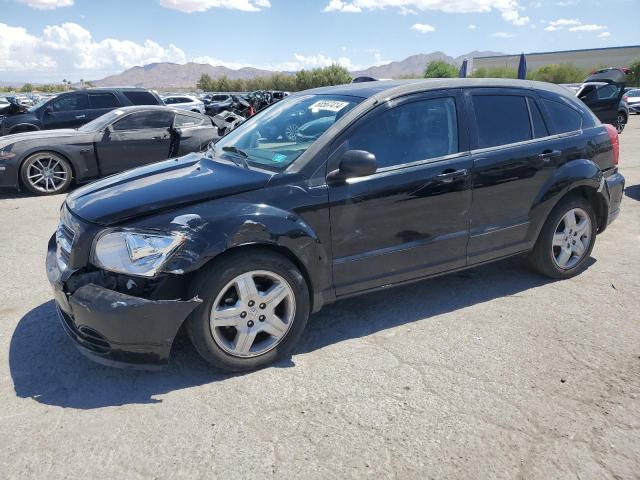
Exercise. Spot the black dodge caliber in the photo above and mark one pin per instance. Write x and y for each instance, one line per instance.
(400, 181)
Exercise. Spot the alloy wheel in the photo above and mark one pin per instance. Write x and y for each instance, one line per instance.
(291, 131)
(46, 173)
(571, 238)
(620, 123)
(252, 313)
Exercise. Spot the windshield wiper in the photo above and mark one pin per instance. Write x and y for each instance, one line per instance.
(241, 154)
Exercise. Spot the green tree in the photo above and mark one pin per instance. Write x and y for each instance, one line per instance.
(440, 69)
(26, 88)
(633, 79)
(560, 73)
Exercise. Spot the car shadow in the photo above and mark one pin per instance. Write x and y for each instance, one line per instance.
(46, 367)
(633, 191)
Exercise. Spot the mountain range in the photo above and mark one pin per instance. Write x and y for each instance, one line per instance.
(182, 76)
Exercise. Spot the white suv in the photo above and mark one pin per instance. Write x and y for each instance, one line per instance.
(184, 102)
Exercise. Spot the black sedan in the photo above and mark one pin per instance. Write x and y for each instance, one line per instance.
(47, 162)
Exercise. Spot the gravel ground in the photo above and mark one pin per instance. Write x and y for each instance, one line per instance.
(490, 373)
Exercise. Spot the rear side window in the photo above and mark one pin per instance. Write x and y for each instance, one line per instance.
(71, 103)
(103, 100)
(407, 133)
(186, 121)
(539, 127)
(144, 120)
(501, 119)
(564, 118)
(141, 98)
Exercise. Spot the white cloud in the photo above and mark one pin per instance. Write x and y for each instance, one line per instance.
(472, 27)
(190, 6)
(510, 9)
(587, 28)
(564, 22)
(604, 35)
(502, 35)
(47, 4)
(70, 48)
(422, 28)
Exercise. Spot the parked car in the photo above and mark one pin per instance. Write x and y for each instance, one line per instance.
(219, 103)
(602, 92)
(633, 100)
(72, 109)
(47, 162)
(185, 102)
(412, 180)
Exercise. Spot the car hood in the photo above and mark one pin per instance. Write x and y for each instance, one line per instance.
(161, 186)
(38, 135)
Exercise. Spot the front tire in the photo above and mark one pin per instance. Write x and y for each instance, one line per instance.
(255, 308)
(566, 240)
(46, 173)
(621, 122)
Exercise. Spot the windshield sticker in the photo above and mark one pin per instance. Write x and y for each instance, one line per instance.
(279, 158)
(329, 105)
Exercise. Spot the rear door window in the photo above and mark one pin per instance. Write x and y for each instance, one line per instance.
(539, 127)
(140, 98)
(565, 119)
(70, 103)
(103, 100)
(501, 119)
(144, 120)
(410, 132)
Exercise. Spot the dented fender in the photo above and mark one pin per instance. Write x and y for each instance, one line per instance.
(211, 229)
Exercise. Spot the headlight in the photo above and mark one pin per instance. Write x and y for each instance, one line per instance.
(134, 253)
(6, 154)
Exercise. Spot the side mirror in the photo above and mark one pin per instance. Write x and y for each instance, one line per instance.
(354, 163)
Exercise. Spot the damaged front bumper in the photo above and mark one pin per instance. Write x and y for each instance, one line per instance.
(115, 328)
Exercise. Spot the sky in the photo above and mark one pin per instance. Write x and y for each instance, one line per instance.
(52, 40)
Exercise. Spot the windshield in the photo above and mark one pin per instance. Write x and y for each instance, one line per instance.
(102, 122)
(38, 105)
(275, 137)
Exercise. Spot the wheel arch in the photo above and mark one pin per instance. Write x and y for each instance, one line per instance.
(271, 248)
(576, 177)
(23, 127)
(35, 151)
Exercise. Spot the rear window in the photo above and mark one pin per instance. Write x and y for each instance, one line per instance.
(141, 98)
(103, 100)
(501, 119)
(186, 121)
(564, 118)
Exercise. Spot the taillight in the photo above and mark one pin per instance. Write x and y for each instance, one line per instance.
(625, 99)
(615, 142)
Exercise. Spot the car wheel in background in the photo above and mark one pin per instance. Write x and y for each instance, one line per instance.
(46, 173)
(255, 308)
(566, 239)
(291, 131)
(621, 122)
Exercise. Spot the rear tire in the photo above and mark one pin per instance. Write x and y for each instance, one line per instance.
(566, 239)
(255, 308)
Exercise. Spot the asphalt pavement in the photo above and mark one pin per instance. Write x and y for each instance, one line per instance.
(494, 372)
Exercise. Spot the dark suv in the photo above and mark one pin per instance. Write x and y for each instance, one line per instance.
(411, 180)
(72, 109)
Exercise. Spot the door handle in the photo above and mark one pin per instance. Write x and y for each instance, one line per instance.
(547, 155)
(450, 176)
(159, 137)
(80, 116)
